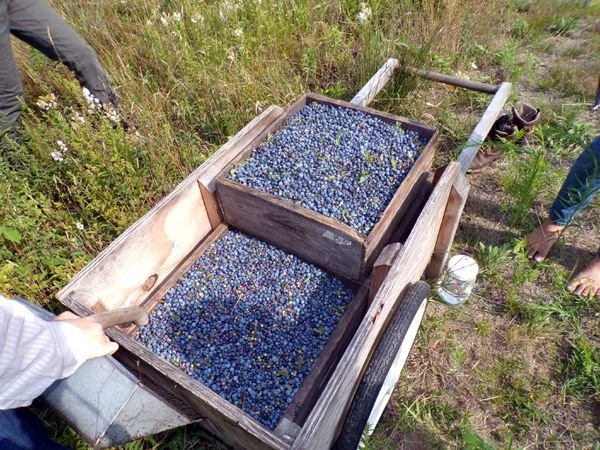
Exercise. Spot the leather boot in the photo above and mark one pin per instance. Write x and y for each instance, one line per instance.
(526, 119)
(503, 128)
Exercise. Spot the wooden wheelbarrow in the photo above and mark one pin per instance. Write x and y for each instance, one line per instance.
(108, 404)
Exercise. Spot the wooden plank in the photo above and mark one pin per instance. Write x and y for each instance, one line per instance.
(322, 425)
(318, 376)
(483, 127)
(398, 207)
(221, 418)
(213, 209)
(287, 430)
(376, 83)
(417, 199)
(454, 208)
(312, 236)
(382, 267)
(126, 271)
(454, 81)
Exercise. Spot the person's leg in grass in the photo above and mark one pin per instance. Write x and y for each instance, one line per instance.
(36, 23)
(11, 89)
(20, 429)
(578, 190)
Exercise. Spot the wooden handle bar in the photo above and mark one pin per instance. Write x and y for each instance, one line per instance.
(122, 315)
(454, 81)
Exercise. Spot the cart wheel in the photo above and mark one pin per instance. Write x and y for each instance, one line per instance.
(383, 371)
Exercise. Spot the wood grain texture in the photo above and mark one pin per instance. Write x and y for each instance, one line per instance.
(382, 267)
(483, 127)
(307, 395)
(322, 425)
(313, 237)
(376, 83)
(211, 204)
(454, 208)
(154, 245)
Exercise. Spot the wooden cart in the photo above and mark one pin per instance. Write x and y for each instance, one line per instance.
(141, 265)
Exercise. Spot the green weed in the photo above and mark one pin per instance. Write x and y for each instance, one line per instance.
(581, 371)
(523, 183)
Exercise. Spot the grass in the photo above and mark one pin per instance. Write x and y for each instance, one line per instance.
(517, 365)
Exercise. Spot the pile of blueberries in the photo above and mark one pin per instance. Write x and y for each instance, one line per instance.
(248, 321)
(340, 162)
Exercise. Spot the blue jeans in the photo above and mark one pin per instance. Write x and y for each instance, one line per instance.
(580, 187)
(20, 429)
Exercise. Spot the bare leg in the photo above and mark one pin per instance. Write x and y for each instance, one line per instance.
(587, 282)
(541, 240)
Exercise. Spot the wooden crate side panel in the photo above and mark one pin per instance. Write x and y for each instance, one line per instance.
(221, 418)
(317, 239)
(398, 206)
(316, 379)
(125, 275)
(140, 258)
(322, 425)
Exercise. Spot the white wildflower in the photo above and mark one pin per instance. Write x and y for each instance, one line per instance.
(92, 101)
(47, 102)
(238, 32)
(365, 13)
(231, 55)
(57, 156)
(79, 226)
(176, 17)
(62, 146)
(197, 18)
(164, 19)
(77, 120)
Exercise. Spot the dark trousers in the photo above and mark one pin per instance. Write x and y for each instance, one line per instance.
(35, 22)
(22, 430)
(580, 187)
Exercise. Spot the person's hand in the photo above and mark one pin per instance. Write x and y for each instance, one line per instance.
(97, 343)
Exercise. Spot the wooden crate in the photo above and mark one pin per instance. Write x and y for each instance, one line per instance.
(311, 235)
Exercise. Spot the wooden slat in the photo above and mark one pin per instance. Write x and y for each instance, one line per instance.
(211, 204)
(313, 237)
(126, 271)
(322, 426)
(376, 83)
(483, 127)
(454, 208)
(314, 382)
(382, 267)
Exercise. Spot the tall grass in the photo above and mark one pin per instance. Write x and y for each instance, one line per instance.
(190, 74)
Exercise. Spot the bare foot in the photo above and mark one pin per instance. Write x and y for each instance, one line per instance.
(541, 240)
(587, 282)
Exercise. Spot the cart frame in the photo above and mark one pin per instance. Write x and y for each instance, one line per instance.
(125, 414)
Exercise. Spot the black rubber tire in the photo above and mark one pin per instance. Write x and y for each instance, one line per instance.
(379, 366)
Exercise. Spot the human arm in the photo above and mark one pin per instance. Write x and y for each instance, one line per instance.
(34, 352)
